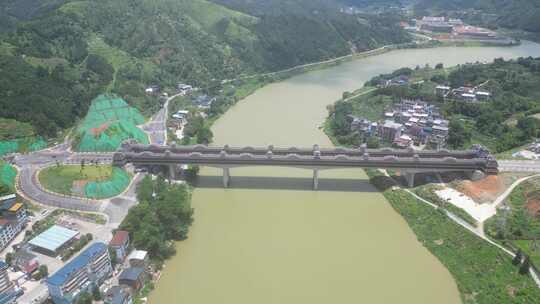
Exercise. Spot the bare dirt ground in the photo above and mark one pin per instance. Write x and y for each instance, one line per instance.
(488, 189)
(533, 207)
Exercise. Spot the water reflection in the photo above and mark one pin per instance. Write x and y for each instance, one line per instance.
(286, 183)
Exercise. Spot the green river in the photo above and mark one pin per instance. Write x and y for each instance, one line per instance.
(270, 239)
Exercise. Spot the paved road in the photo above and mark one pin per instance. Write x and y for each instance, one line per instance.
(157, 126)
(519, 166)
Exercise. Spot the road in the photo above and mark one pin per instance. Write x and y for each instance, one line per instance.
(115, 209)
(156, 128)
(532, 166)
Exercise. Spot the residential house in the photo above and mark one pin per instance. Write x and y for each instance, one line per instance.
(390, 130)
(26, 261)
(203, 101)
(12, 209)
(138, 258)
(133, 278)
(482, 95)
(442, 91)
(184, 89)
(117, 295)
(120, 243)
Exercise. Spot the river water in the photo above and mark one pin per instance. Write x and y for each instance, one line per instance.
(270, 239)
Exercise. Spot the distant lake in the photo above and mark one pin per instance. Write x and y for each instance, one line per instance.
(271, 240)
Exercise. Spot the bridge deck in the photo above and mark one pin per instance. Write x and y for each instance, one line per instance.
(227, 157)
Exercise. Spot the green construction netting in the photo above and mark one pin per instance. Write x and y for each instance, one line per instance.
(110, 121)
(22, 145)
(7, 175)
(115, 185)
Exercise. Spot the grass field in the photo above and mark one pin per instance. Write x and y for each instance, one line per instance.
(60, 179)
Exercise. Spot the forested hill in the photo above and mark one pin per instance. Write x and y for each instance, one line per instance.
(514, 14)
(57, 55)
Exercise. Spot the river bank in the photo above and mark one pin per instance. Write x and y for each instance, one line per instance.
(484, 274)
(270, 239)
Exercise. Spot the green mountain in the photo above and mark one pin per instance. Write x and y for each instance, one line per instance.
(57, 55)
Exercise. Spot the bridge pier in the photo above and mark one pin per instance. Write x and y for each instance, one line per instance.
(315, 179)
(475, 175)
(226, 177)
(409, 177)
(172, 172)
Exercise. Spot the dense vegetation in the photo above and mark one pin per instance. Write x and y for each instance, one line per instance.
(515, 14)
(56, 56)
(162, 216)
(483, 273)
(519, 223)
(504, 122)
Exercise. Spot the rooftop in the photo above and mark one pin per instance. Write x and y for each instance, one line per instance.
(53, 238)
(137, 255)
(131, 274)
(15, 207)
(119, 238)
(6, 197)
(77, 263)
(391, 124)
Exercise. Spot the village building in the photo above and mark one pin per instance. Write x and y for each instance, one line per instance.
(25, 261)
(133, 278)
(120, 244)
(88, 269)
(390, 130)
(117, 295)
(138, 258)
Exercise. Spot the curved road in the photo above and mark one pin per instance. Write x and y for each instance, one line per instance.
(116, 208)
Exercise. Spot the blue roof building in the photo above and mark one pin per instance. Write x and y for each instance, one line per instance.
(88, 269)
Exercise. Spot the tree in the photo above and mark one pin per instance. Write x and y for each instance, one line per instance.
(517, 258)
(373, 142)
(439, 66)
(112, 255)
(529, 126)
(145, 189)
(4, 189)
(458, 135)
(84, 298)
(9, 258)
(524, 269)
(204, 135)
(43, 270)
(96, 293)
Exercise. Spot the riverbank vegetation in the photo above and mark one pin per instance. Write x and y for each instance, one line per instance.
(515, 96)
(163, 216)
(483, 273)
(518, 221)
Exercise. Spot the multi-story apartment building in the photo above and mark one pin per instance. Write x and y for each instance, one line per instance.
(88, 269)
(7, 289)
(13, 218)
